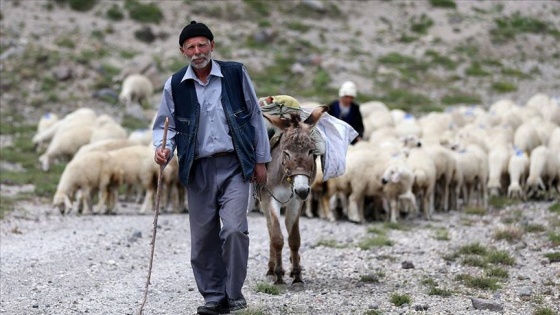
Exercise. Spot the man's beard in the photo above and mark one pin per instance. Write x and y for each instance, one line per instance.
(206, 58)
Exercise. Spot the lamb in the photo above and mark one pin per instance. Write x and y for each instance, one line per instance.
(518, 169)
(136, 88)
(138, 167)
(90, 173)
(107, 128)
(42, 138)
(397, 183)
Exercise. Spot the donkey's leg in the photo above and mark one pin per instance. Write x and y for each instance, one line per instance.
(275, 267)
(294, 241)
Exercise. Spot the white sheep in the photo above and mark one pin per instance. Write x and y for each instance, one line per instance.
(141, 136)
(498, 175)
(397, 183)
(319, 195)
(446, 167)
(42, 138)
(472, 163)
(424, 170)
(107, 128)
(66, 142)
(138, 167)
(518, 169)
(104, 145)
(82, 178)
(136, 88)
(554, 140)
(173, 196)
(45, 122)
(544, 170)
(526, 138)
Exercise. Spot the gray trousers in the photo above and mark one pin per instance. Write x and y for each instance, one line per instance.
(218, 200)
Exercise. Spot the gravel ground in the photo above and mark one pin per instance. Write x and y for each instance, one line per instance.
(94, 264)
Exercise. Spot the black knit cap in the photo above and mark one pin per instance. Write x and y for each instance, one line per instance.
(195, 29)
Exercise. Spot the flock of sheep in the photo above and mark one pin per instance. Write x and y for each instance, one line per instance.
(447, 160)
(104, 158)
(440, 161)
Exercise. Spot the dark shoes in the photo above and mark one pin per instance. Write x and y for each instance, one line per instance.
(212, 308)
(216, 308)
(236, 304)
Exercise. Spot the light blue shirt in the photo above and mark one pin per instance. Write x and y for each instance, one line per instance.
(213, 131)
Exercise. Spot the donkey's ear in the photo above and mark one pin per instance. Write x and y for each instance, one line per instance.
(316, 115)
(277, 121)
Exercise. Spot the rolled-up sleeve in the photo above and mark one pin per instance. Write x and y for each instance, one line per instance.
(166, 109)
(262, 144)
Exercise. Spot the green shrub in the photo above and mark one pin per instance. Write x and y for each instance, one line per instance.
(145, 13)
(510, 234)
(267, 288)
(440, 292)
(400, 299)
(114, 13)
(449, 4)
(503, 87)
(476, 70)
(497, 272)
(544, 311)
(372, 242)
(422, 24)
(500, 257)
(484, 283)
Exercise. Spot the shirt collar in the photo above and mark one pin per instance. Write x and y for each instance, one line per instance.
(215, 71)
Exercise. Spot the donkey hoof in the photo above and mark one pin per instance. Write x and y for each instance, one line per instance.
(298, 286)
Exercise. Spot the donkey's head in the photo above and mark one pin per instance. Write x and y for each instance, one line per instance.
(297, 146)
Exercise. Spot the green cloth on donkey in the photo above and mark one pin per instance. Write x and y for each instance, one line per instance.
(283, 105)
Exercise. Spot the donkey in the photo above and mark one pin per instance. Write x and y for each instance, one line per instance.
(290, 174)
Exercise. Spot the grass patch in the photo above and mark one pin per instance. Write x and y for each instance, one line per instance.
(501, 202)
(114, 13)
(331, 243)
(422, 24)
(500, 257)
(400, 226)
(483, 283)
(508, 27)
(553, 257)
(555, 208)
(7, 204)
(144, 13)
(267, 288)
(447, 4)
(474, 261)
(475, 211)
(510, 234)
(400, 299)
(503, 87)
(371, 278)
(554, 238)
(378, 241)
(476, 70)
(472, 249)
(534, 228)
(442, 234)
(497, 272)
(440, 292)
(541, 310)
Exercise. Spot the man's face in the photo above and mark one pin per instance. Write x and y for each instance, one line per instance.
(346, 100)
(198, 50)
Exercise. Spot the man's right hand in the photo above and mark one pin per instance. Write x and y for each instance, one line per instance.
(161, 155)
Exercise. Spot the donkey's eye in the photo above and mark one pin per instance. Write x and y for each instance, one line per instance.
(286, 155)
(310, 152)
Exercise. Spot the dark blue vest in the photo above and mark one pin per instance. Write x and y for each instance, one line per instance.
(187, 113)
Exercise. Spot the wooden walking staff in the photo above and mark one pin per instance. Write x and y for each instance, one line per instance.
(156, 213)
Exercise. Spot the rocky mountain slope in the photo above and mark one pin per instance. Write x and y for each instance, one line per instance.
(414, 55)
